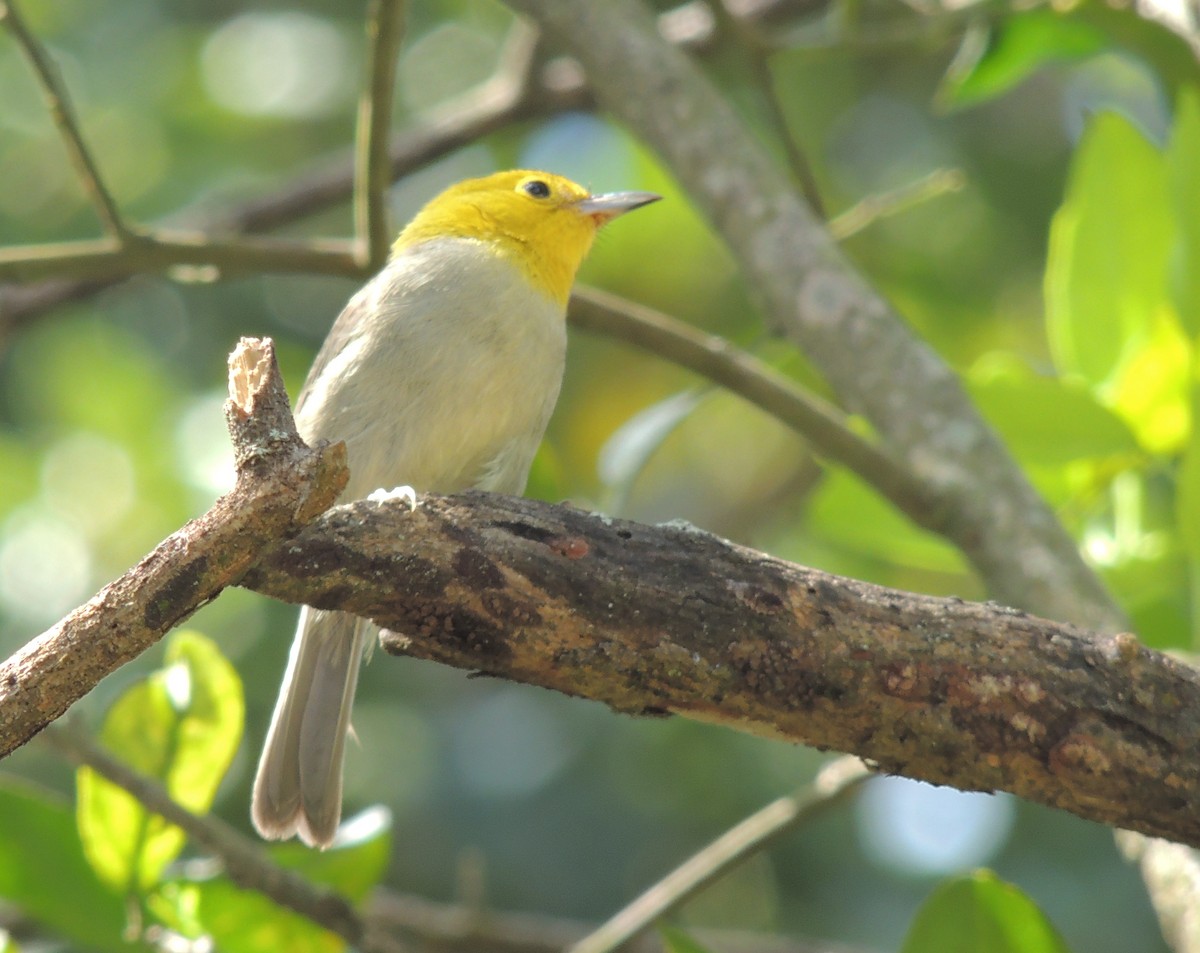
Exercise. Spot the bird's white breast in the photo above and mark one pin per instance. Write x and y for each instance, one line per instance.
(441, 373)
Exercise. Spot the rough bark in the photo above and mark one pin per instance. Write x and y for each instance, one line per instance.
(669, 619)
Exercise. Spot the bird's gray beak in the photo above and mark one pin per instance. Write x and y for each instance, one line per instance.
(604, 208)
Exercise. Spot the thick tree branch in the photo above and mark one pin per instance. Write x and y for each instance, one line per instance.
(810, 293)
(656, 620)
(281, 484)
(671, 619)
(1172, 876)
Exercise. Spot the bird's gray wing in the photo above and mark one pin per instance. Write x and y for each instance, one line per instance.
(347, 324)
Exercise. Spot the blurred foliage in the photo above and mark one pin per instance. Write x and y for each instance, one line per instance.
(1078, 132)
(981, 914)
(181, 726)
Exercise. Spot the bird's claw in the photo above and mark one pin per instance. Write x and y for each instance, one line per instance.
(397, 492)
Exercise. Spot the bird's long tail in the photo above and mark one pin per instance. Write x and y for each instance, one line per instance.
(298, 789)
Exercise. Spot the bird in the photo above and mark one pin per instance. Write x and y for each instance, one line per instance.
(439, 375)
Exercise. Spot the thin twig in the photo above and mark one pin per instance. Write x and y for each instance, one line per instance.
(169, 249)
(737, 844)
(455, 928)
(756, 55)
(449, 926)
(510, 95)
(372, 168)
(67, 122)
(244, 861)
(823, 425)
(881, 205)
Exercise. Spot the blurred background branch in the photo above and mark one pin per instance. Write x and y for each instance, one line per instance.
(372, 166)
(63, 113)
(241, 858)
(837, 780)
(391, 919)
(860, 344)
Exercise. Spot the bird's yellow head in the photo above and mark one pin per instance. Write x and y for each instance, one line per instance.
(542, 222)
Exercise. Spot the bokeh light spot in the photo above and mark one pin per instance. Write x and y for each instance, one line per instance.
(266, 64)
(89, 480)
(202, 445)
(45, 566)
(506, 746)
(445, 62)
(916, 828)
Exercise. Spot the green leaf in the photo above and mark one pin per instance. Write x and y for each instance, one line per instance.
(992, 60)
(676, 940)
(180, 726)
(1106, 272)
(1169, 54)
(18, 472)
(980, 913)
(1109, 312)
(847, 513)
(1183, 178)
(43, 871)
(1152, 391)
(355, 863)
(1047, 421)
(243, 921)
(627, 452)
(1187, 509)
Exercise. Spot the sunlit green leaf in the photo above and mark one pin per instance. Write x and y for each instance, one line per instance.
(1106, 271)
(39, 847)
(1017, 402)
(1183, 175)
(175, 905)
(993, 60)
(847, 513)
(1152, 390)
(181, 726)
(980, 913)
(243, 921)
(676, 940)
(356, 861)
(1110, 317)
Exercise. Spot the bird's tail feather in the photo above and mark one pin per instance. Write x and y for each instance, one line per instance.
(298, 788)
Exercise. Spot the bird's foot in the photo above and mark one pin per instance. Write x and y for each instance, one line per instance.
(395, 493)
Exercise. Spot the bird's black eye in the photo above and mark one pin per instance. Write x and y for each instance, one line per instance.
(537, 188)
